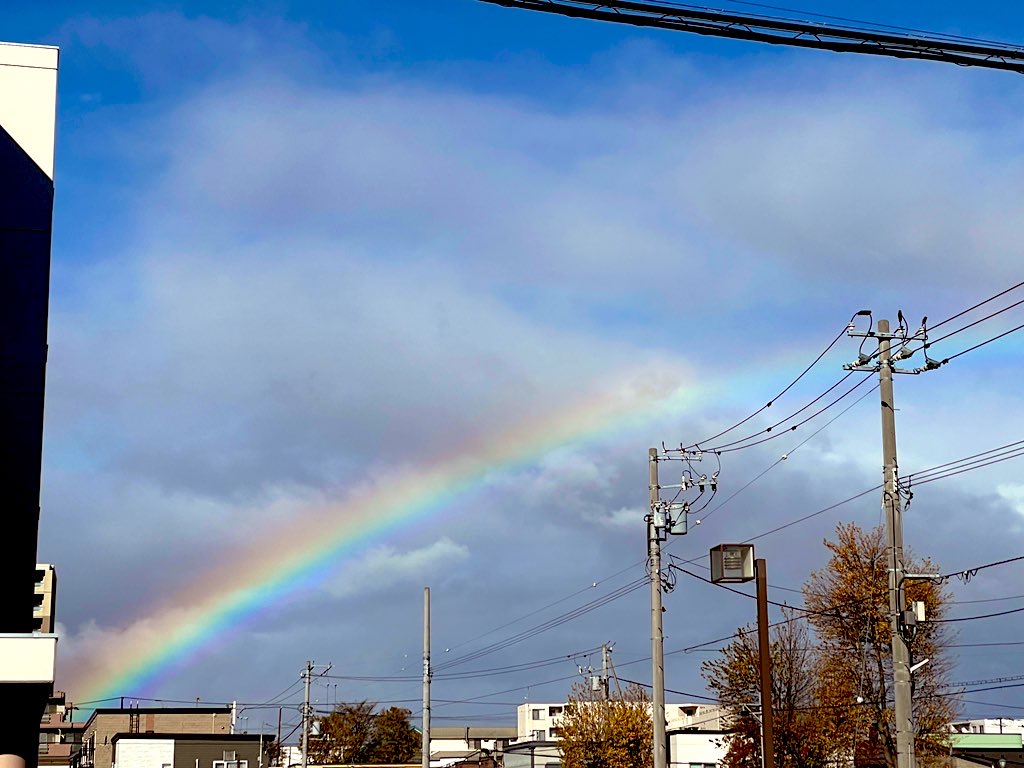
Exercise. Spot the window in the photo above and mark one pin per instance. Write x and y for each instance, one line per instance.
(230, 764)
(536, 714)
(555, 733)
(553, 711)
(535, 735)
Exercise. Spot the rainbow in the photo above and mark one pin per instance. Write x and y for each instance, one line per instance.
(139, 657)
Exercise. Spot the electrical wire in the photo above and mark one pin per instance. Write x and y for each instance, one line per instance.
(550, 624)
(783, 392)
(976, 306)
(851, 390)
(789, 453)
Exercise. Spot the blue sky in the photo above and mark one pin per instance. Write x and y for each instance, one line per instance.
(301, 245)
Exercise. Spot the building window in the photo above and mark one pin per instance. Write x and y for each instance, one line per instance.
(230, 764)
(536, 714)
(535, 735)
(555, 733)
(553, 711)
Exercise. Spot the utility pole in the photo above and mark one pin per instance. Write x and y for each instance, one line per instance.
(606, 660)
(657, 631)
(765, 658)
(280, 711)
(665, 517)
(425, 749)
(892, 505)
(307, 673)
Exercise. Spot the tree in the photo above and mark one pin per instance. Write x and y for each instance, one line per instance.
(394, 739)
(735, 679)
(353, 733)
(617, 732)
(831, 675)
(849, 600)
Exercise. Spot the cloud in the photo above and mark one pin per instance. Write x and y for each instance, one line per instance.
(321, 280)
(383, 567)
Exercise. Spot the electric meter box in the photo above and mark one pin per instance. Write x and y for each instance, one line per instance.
(732, 563)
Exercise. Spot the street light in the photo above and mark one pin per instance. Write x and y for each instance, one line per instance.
(735, 564)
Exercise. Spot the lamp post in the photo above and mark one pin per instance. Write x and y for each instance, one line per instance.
(735, 564)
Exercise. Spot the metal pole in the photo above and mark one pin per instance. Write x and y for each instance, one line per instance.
(280, 749)
(891, 503)
(765, 656)
(425, 748)
(657, 632)
(306, 675)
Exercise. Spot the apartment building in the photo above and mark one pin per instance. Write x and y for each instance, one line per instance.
(541, 722)
(59, 736)
(104, 724)
(44, 609)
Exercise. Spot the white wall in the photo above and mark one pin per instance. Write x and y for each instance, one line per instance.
(696, 747)
(28, 107)
(144, 753)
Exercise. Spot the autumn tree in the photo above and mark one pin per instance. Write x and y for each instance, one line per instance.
(849, 604)
(832, 665)
(735, 679)
(354, 733)
(616, 732)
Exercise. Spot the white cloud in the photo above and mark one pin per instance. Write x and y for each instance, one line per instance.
(384, 567)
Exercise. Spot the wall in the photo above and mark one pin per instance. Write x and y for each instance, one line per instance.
(187, 752)
(143, 753)
(105, 724)
(696, 748)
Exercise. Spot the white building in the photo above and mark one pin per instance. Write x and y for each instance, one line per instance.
(989, 725)
(450, 744)
(541, 722)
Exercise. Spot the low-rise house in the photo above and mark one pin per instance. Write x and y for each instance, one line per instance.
(97, 736)
(189, 750)
(471, 744)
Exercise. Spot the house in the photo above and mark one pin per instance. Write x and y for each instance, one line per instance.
(471, 744)
(189, 750)
(97, 735)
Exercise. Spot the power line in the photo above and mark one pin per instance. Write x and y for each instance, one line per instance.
(799, 424)
(789, 453)
(785, 389)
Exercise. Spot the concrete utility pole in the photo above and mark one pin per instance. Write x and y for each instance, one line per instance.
(606, 662)
(425, 758)
(657, 631)
(892, 504)
(307, 673)
(765, 658)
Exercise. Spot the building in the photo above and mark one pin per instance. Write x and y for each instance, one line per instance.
(989, 725)
(541, 722)
(59, 736)
(104, 724)
(532, 754)
(692, 748)
(44, 610)
(453, 745)
(989, 750)
(28, 107)
(189, 750)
